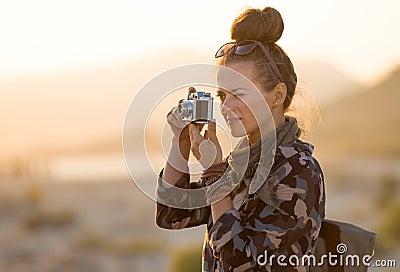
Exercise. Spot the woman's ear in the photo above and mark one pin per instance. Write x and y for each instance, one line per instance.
(280, 93)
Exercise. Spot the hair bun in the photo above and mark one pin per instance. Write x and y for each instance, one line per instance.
(255, 24)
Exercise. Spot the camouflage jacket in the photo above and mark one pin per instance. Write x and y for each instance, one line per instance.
(243, 238)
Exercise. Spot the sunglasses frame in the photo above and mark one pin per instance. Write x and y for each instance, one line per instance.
(253, 44)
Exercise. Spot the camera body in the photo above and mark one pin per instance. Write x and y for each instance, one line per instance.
(198, 107)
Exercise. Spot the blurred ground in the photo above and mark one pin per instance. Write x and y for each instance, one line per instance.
(96, 226)
(109, 225)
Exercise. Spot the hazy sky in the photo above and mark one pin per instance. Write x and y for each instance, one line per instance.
(43, 36)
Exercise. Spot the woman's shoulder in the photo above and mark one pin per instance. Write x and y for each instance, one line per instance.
(298, 155)
(297, 147)
(294, 172)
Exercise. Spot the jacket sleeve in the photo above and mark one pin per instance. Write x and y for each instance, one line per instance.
(238, 240)
(176, 218)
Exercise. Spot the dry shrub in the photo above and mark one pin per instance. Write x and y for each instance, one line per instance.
(49, 219)
(134, 245)
(187, 259)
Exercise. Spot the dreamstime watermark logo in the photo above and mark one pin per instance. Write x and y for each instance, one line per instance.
(146, 127)
(330, 259)
(341, 248)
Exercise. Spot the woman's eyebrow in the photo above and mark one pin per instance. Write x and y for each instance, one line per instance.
(237, 89)
(221, 90)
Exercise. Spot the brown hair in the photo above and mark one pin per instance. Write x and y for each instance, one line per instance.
(266, 26)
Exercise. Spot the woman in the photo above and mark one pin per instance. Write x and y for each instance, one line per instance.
(283, 216)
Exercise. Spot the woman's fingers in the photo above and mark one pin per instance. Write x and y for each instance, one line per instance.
(195, 140)
(194, 133)
(212, 132)
(176, 124)
(212, 136)
(206, 149)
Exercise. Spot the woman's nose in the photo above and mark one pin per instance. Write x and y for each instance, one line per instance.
(225, 108)
(227, 105)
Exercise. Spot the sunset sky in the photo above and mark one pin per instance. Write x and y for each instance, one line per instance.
(68, 69)
(45, 37)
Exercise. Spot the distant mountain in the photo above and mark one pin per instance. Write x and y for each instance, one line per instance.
(325, 82)
(77, 111)
(364, 123)
(84, 111)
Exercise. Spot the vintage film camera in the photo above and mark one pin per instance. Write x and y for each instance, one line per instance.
(198, 107)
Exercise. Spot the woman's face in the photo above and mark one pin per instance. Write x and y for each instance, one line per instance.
(241, 101)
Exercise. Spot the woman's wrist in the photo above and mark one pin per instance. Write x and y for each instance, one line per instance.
(183, 146)
(218, 187)
(214, 172)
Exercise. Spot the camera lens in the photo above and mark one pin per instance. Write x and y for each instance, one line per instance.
(185, 110)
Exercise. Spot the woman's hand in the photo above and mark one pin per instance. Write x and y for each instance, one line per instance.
(206, 149)
(178, 127)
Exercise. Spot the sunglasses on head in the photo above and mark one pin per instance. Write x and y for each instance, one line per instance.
(246, 47)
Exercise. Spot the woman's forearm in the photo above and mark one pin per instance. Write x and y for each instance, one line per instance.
(177, 162)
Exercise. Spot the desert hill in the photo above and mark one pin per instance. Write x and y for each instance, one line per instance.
(365, 122)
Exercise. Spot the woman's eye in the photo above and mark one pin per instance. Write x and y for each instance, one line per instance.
(222, 96)
(239, 94)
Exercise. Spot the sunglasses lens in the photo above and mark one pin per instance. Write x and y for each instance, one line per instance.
(223, 50)
(245, 49)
